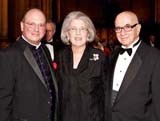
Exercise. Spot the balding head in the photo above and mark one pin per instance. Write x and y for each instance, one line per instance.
(33, 25)
(127, 15)
(32, 12)
(127, 28)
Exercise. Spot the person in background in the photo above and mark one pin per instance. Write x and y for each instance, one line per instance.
(134, 73)
(53, 44)
(49, 40)
(82, 70)
(97, 44)
(152, 40)
(28, 89)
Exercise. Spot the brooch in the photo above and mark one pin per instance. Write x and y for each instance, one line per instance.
(95, 57)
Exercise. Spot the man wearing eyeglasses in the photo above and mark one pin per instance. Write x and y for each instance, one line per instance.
(28, 89)
(134, 74)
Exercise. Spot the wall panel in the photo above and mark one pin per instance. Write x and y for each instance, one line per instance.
(3, 19)
(157, 11)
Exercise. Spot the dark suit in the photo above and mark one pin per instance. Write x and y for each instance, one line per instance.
(82, 89)
(57, 46)
(138, 98)
(23, 91)
(155, 44)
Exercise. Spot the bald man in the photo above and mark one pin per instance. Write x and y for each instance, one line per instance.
(134, 74)
(28, 89)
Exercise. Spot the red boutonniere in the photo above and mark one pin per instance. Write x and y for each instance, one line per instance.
(54, 65)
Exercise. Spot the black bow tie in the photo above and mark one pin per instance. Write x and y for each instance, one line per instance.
(128, 50)
(49, 43)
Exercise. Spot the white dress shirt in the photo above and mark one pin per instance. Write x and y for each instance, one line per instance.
(51, 50)
(121, 67)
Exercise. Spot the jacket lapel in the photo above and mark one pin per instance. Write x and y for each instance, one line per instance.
(51, 70)
(131, 71)
(130, 75)
(83, 64)
(29, 56)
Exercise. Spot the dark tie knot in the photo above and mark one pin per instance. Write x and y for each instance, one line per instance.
(128, 50)
(50, 43)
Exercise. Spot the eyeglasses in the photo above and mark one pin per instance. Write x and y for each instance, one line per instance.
(126, 28)
(49, 30)
(33, 25)
(81, 30)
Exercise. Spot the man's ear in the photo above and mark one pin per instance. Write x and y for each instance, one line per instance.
(138, 29)
(22, 25)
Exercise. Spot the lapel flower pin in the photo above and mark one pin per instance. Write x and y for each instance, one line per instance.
(95, 57)
(54, 64)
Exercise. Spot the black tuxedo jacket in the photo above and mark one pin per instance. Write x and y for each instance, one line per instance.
(23, 92)
(138, 98)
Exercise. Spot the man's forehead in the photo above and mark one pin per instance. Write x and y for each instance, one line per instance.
(124, 19)
(35, 15)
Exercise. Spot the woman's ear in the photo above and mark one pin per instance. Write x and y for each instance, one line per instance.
(88, 38)
(67, 36)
